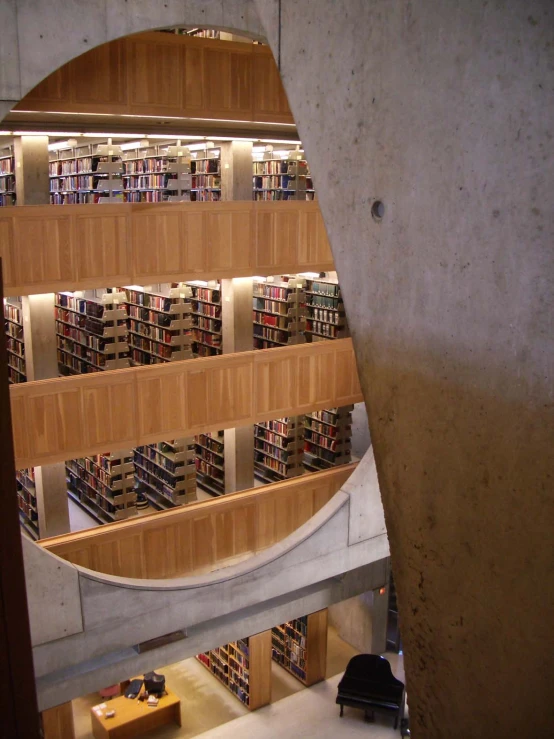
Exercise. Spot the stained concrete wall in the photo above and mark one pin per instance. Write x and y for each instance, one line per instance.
(362, 621)
(444, 112)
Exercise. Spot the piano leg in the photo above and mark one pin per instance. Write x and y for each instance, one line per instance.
(341, 710)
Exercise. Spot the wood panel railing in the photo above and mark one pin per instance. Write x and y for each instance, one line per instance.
(198, 537)
(160, 74)
(69, 417)
(48, 248)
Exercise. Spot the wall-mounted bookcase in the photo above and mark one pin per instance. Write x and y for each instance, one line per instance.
(7, 178)
(91, 329)
(103, 485)
(300, 646)
(244, 668)
(77, 175)
(206, 318)
(279, 449)
(160, 324)
(279, 312)
(326, 317)
(282, 179)
(13, 326)
(165, 472)
(27, 499)
(327, 438)
(210, 462)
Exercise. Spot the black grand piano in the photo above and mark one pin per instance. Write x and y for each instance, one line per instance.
(368, 683)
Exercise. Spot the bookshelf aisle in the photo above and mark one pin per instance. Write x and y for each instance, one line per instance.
(7, 178)
(77, 174)
(326, 317)
(327, 438)
(300, 646)
(279, 312)
(102, 485)
(13, 326)
(91, 331)
(210, 462)
(206, 317)
(278, 449)
(244, 667)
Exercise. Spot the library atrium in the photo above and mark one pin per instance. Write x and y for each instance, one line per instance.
(208, 305)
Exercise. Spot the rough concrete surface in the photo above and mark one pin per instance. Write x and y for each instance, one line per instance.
(444, 111)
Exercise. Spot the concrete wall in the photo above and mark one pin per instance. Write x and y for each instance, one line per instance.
(444, 112)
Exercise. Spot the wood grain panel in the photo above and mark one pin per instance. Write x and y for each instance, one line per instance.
(269, 97)
(57, 722)
(154, 77)
(200, 536)
(157, 236)
(164, 74)
(102, 257)
(98, 79)
(48, 248)
(42, 250)
(63, 418)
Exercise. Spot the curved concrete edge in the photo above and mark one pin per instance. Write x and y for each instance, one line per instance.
(248, 566)
(35, 42)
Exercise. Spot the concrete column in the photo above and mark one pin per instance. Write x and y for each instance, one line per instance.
(236, 170)
(236, 301)
(379, 617)
(39, 332)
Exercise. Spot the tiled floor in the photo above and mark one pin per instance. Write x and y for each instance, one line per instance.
(210, 711)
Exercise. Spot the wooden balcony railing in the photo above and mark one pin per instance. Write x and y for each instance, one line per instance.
(64, 418)
(46, 248)
(200, 537)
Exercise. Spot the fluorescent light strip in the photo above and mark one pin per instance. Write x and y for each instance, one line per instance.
(158, 117)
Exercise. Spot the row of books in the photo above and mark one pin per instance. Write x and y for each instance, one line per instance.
(70, 166)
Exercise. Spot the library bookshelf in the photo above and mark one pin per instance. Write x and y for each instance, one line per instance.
(165, 472)
(282, 179)
(91, 332)
(13, 326)
(300, 646)
(327, 438)
(279, 312)
(206, 318)
(210, 462)
(326, 317)
(7, 179)
(103, 485)
(278, 449)
(244, 668)
(27, 499)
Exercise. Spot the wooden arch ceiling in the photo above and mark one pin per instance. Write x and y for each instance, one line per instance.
(170, 83)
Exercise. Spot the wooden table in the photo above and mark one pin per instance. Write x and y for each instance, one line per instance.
(134, 718)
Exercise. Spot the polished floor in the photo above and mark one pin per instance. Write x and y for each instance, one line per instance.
(210, 711)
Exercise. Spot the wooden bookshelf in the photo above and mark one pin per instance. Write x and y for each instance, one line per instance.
(206, 318)
(326, 317)
(244, 667)
(279, 312)
(13, 326)
(210, 462)
(278, 449)
(165, 472)
(282, 179)
(103, 485)
(7, 178)
(27, 499)
(91, 332)
(300, 646)
(327, 438)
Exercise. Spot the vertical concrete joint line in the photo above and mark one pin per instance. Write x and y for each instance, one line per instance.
(279, 40)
